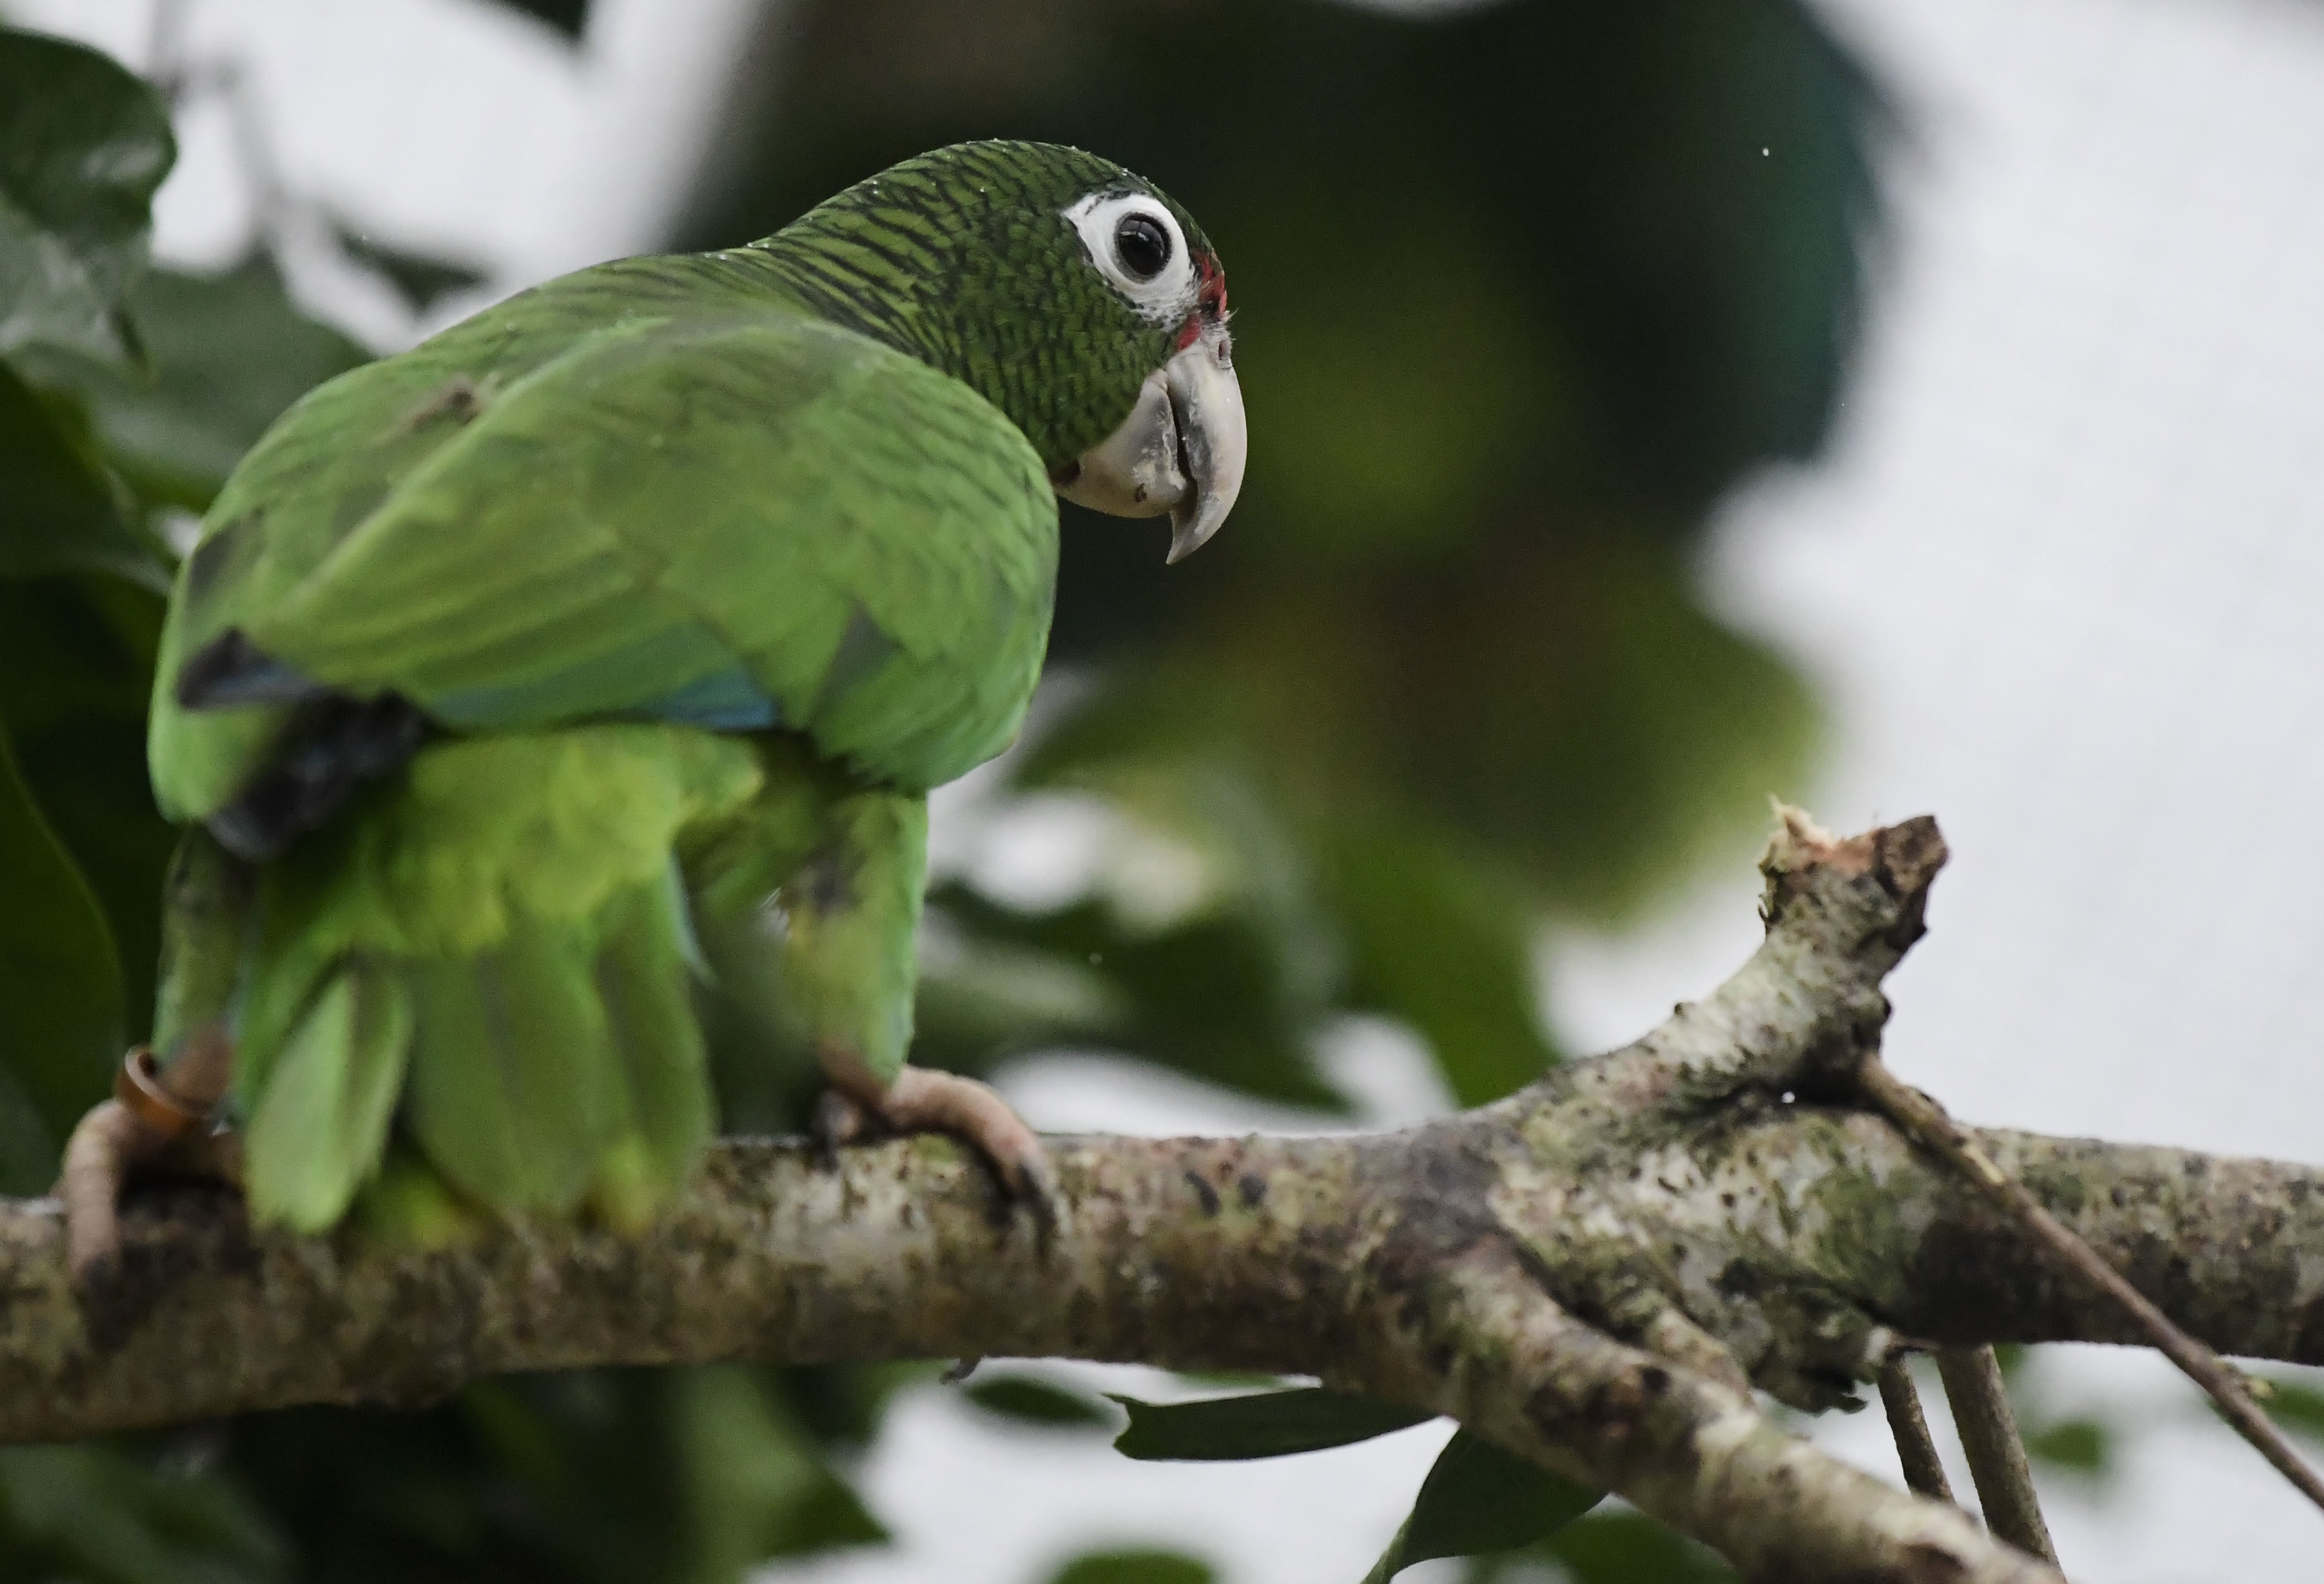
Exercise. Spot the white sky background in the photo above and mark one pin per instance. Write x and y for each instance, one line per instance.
(2061, 581)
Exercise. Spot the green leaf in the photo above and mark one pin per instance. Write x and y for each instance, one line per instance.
(2082, 1446)
(582, 1476)
(758, 1487)
(1258, 1424)
(1624, 1547)
(229, 353)
(61, 997)
(421, 281)
(1227, 977)
(76, 674)
(62, 514)
(1480, 1498)
(1134, 1567)
(1030, 1401)
(95, 1516)
(83, 144)
(1445, 941)
(2295, 1406)
(568, 17)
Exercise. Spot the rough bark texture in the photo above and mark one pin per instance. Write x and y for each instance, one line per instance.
(1594, 1272)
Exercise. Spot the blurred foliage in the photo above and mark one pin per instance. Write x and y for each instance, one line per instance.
(569, 17)
(1021, 1399)
(1479, 1500)
(1255, 1424)
(229, 353)
(1134, 1567)
(90, 1515)
(2073, 1445)
(60, 982)
(1620, 1546)
(1524, 289)
(2296, 1404)
(420, 280)
(83, 145)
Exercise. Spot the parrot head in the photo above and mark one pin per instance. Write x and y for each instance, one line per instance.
(1076, 298)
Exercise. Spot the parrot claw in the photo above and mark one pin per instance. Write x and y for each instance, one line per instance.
(922, 1100)
(155, 1119)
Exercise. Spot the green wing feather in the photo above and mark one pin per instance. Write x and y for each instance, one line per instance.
(716, 497)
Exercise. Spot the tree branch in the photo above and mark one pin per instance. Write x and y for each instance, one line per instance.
(1995, 1452)
(1916, 1451)
(1925, 1122)
(1593, 1271)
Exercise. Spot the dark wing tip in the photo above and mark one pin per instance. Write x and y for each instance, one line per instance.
(230, 670)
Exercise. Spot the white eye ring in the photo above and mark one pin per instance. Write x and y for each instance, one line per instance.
(1168, 296)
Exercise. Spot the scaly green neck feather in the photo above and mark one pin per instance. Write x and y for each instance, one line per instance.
(961, 258)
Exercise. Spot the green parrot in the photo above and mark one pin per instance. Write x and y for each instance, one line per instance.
(606, 645)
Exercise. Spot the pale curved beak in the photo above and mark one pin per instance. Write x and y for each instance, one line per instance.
(1181, 450)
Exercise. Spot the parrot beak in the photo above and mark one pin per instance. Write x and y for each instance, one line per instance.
(1181, 450)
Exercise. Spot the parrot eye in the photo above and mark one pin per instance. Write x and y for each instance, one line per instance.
(1140, 247)
(1137, 244)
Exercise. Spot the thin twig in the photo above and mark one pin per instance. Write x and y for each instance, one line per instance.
(1923, 1474)
(1925, 1122)
(1995, 1452)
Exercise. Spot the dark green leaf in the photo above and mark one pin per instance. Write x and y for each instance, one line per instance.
(60, 514)
(1480, 1498)
(2083, 1446)
(1029, 1401)
(1445, 941)
(1134, 1567)
(1230, 987)
(587, 1476)
(569, 17)
(83, 144)
(1612, 1547)
(418, 278)
(1260, 1424)
(229, 351)
(1198, 998)
(95, 1516)
(985, 992)
(76, 671)
(1207, 997)
(761, 1488)
(60, 999)
(1568, 710)
(2295, 1406)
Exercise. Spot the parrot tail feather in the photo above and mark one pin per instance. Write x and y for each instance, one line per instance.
(486, 975)
(321, 1124)
(563, 1066)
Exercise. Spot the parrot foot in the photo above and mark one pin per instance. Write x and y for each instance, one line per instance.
(921, 1100)
(156, 1120)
